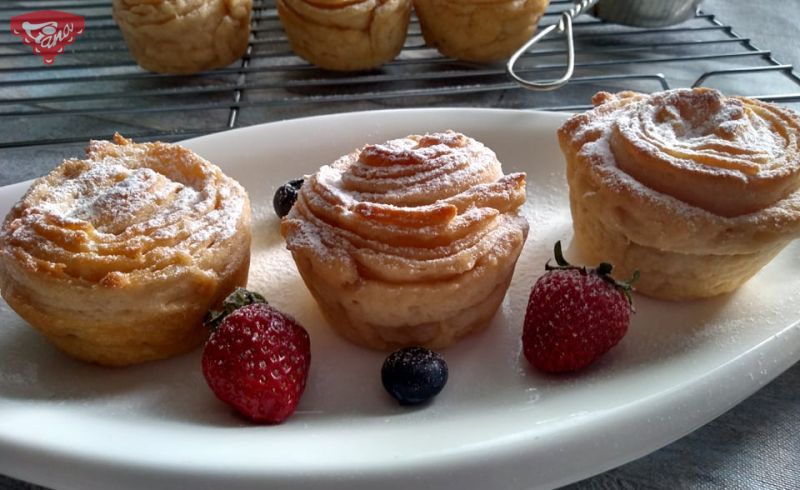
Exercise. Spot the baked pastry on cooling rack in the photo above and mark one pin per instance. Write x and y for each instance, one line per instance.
(117, 258)
(696, 190)
(186, 36)
(345, 35)
(478, 30)
(409, 242)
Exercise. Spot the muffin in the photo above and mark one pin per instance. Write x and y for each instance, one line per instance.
(345, 35)
(409, 242)
(184, 36)
(478, 30)
(117, 258)
(696, 190)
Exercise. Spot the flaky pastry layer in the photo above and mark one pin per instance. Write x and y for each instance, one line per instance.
(478, 30)
(117, 258)
(345, 35)
(188, 36)
(622, 213)
(410, 242)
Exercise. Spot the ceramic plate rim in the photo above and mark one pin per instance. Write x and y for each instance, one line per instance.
(498, 453)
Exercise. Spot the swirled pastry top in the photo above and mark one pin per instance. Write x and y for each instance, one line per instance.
(127, 210)
(411, 209)
(727, 155)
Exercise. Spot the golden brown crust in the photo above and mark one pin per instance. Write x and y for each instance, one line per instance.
(426, 224)
(345, 35)
(116, 258)
(478, 30)
(184, 37)
(691, 245)
(728, 155)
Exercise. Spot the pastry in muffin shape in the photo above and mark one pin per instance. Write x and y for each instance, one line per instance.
(184, 36)
(478, 30)
(409, 242)
(345, 35)
(696, 190)
(117, 258)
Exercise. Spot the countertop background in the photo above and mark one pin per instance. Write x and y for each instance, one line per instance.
(756, 444)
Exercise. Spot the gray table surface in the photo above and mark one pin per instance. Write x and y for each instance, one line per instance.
(753, 446)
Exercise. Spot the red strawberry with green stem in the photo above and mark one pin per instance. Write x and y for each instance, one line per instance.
(574, 315)
(257, 358)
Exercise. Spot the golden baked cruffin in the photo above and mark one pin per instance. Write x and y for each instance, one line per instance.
(478, 30)
(696, 190)
(117, 258)
(410, 242)
(345, 35)
(184, 36)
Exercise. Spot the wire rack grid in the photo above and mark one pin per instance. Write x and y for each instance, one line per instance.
(95, 88)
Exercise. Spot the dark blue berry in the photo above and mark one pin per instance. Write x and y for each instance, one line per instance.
(414, 375)
(285, 197)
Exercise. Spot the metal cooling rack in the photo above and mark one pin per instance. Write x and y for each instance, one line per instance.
(95, 87)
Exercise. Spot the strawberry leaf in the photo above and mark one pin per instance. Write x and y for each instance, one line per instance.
(238, 298)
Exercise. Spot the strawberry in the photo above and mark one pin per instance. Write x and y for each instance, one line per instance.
(257, 361)
(574, 316)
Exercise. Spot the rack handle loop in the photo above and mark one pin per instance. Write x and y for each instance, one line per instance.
(564, 26)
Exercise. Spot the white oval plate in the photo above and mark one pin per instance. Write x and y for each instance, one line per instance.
(497, 424)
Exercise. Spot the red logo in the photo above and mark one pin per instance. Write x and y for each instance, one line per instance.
(47, 31)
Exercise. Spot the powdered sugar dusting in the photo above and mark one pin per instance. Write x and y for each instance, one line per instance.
(690, 351)
(272, 270)
(670, 149)
(407, 210)
(128, 207)
(416, 170)
(705, 131)
(615, 178)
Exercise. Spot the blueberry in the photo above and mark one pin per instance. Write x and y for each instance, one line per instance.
(285, 197)
(414, 375)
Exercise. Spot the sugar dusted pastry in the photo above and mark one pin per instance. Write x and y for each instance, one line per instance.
(345, 34)
(478, 30)
(116, 258)
(695, 189)
(409, 242)
(184, 36)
